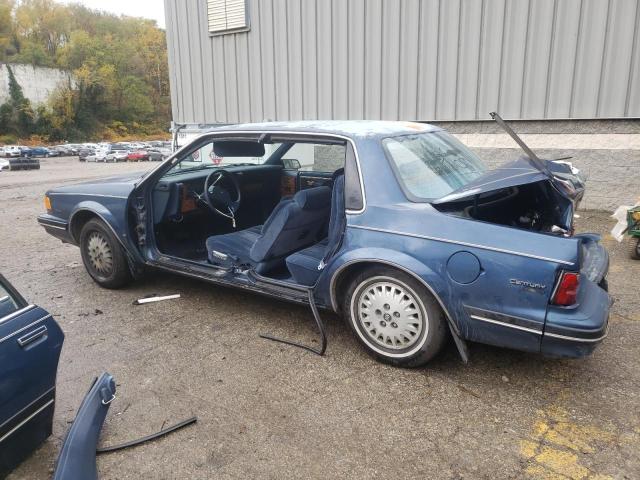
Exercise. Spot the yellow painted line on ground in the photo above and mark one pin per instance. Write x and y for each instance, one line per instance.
(557, 443)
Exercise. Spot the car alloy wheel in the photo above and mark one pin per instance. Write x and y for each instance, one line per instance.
(389, 315)
(100, 254)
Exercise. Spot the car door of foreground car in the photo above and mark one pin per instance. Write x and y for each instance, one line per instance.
(30, 345)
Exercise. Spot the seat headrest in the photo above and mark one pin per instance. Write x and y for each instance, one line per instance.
(339, 172)
(313, 198)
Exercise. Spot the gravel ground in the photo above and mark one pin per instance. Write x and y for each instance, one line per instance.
(269, 411)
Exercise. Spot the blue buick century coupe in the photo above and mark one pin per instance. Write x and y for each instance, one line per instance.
(396, 226)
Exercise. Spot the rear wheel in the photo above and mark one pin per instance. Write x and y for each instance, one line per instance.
(394, 317)
(634, 248)
(103, 256)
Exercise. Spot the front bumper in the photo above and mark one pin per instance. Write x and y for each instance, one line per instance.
(56, 226)
(574, 332)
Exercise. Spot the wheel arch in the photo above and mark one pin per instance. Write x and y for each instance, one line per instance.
(84, 213)
(88, 211)
(411, 266)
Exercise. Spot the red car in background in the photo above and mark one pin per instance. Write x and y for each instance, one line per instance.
(138, 155)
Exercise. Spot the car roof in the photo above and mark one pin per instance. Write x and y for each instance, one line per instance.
(348, 128)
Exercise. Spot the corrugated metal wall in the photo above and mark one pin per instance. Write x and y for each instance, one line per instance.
(407, 59)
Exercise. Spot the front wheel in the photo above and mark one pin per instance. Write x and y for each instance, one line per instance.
(103, 256)
(394, 317)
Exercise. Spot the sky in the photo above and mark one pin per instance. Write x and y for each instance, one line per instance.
(153, 9)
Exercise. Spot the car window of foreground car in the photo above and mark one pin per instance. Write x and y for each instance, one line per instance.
(432, 165)
(206, 157)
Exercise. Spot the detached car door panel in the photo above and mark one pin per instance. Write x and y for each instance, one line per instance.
(30, 345)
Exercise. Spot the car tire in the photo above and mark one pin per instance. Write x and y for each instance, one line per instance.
(103, 256)
(395, 318)
(634, 248)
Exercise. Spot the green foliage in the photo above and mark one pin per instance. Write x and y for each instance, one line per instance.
(16, 114)
(119, 68)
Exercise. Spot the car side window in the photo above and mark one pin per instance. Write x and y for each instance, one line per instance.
(8, 303)
(316, 157)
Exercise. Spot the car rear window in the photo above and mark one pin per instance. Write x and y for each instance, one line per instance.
(431, 165)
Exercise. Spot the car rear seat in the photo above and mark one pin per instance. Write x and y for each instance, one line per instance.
(303, 265)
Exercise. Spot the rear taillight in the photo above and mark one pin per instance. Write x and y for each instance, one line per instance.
(567, 289)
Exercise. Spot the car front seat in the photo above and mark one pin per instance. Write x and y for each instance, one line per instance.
(303, 264)
(294, 224)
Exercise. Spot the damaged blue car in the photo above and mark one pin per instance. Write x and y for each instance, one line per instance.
(396, 226)
(30, 346)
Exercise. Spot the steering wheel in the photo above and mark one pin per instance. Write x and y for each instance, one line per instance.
(218, 198)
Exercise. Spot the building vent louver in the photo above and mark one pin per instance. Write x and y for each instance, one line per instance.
(227, 15)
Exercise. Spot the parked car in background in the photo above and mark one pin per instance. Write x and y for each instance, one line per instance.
(62, 151)
(117, 153)
(11, 151)
(4, 164)
(85, 152)
(138, 156)
(24, 151)
(30, 345)
(396, 226)
(72, 148)
(158, 154)
(42, 152)
(99, 155)
(65, 150)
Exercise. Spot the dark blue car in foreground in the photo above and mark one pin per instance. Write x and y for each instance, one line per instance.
(396, 226)
(30, 345)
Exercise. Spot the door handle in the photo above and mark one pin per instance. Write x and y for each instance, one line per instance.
(32, 336)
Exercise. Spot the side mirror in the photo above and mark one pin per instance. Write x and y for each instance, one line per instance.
(291, 163)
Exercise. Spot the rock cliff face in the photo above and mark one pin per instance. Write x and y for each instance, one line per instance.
(37, 82)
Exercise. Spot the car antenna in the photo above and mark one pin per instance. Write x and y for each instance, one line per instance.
(323, 334)
(539, 164)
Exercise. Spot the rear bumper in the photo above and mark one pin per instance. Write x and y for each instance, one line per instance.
(56, 227)
(575, 332)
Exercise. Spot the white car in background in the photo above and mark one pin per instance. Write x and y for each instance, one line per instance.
(11, 151)
(100, 155)
(4, 164)
(117, 154)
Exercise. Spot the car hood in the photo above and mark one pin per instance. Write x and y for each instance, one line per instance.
(521, 172)
(120, 185)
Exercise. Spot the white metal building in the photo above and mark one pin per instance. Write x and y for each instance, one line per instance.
(426, 60)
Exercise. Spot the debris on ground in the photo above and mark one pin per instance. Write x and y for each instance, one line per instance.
(155, 298)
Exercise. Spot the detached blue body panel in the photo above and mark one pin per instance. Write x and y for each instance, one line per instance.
(77, 459)
(494, 282)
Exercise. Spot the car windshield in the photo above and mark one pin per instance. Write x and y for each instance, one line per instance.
(205, 157)
(432, 165)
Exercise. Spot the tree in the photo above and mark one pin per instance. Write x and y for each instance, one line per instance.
(118, 64)
(6, 29)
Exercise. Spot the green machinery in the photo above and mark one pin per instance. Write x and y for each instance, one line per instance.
(633, 230)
